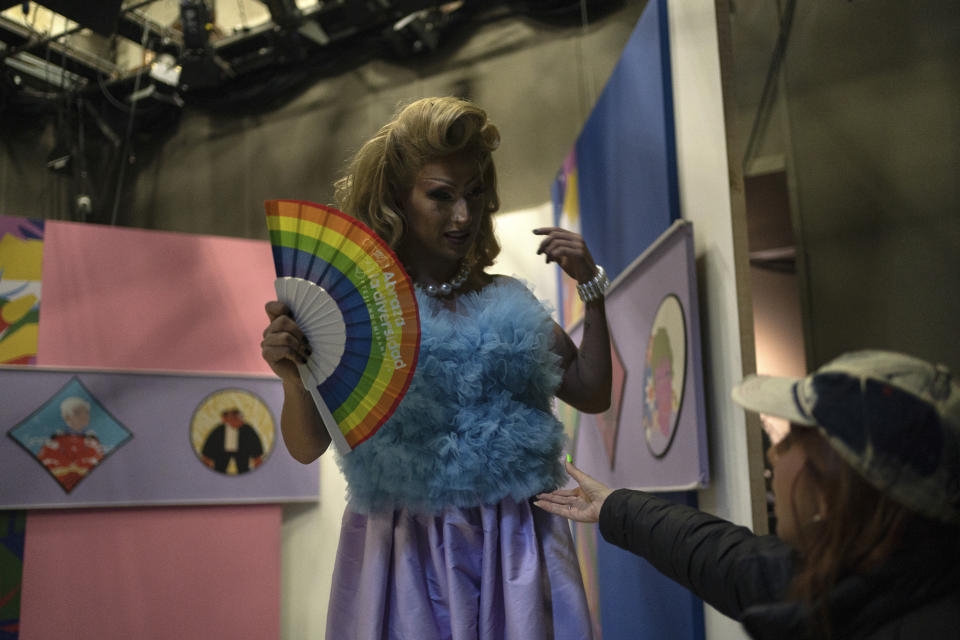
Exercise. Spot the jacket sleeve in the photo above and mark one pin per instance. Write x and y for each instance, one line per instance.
(724, 564)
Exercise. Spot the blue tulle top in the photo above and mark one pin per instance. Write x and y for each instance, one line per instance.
(476, 424)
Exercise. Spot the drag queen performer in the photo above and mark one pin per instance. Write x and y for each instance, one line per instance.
(439, 538)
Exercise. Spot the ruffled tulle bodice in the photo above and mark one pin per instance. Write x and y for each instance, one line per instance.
(476, 424)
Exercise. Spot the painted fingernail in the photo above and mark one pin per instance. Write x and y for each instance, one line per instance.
(569, 458)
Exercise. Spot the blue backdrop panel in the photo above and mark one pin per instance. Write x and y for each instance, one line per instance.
(626, 170)
(626, 157)
(637, 601)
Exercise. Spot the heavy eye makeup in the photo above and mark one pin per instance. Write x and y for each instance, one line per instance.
(446, 194)
(476, 192)
(440, 195)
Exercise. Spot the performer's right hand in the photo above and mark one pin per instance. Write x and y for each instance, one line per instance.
(283, 343)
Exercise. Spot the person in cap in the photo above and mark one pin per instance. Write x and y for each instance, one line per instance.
(866, 480)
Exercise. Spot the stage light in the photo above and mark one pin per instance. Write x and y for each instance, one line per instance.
(166, 69)
(163, 77)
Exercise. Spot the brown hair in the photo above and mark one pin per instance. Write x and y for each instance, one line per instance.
(378, 177)
(860, 528)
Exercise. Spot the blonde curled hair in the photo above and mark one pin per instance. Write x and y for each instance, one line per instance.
(382, 172)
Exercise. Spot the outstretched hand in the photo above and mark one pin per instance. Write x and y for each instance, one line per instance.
(568, 250)
(581, 504)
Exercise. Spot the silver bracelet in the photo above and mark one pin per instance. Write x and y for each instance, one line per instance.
(594, 288)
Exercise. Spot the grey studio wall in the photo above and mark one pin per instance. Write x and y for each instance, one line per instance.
(869, 130)
(864, 124)
(536, 82)
(873, 90)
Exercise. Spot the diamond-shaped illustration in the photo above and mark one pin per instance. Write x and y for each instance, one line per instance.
(608, 422)
(70, 434)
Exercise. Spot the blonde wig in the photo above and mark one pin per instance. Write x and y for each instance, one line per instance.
(383, 171)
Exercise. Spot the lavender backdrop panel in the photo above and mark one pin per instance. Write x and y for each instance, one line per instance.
(614, 446)
(130, 438)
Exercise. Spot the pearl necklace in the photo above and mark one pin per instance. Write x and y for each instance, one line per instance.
(446, 288)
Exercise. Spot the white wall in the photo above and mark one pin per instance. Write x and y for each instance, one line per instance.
(310, 535)
(705, 199)
(518, 256)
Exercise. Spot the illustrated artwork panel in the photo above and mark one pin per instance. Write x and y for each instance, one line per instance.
(21, 261)
(82, 438)
(654, 435)
(71, 434)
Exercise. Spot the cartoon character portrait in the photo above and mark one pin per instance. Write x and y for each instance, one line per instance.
(70, 454)
(664, 375)
(70, 434)
(233, 440)
(232, 431)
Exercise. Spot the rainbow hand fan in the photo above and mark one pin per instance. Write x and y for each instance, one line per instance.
(352, 298)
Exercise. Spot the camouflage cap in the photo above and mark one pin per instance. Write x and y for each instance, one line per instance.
(894, 418)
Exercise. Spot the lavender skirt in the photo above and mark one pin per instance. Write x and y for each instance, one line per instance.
(502, 572)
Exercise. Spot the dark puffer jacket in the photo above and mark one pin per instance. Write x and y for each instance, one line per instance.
(915, 595)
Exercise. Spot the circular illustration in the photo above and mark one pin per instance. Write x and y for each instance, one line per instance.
(664, 375)
(232, 431)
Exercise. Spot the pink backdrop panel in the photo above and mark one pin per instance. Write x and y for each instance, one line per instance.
(205, 572)
(133, 299)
